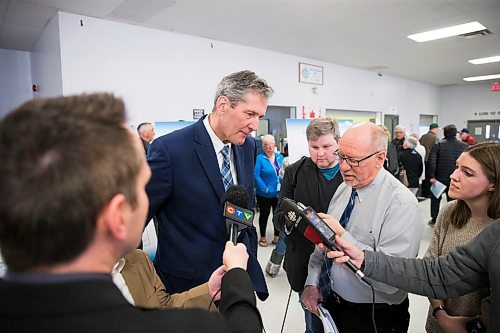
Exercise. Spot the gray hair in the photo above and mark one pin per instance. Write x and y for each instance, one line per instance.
(267, 138)
(400, 127)
(411, 142)
(143, 127)
(379, 139)
(234, 86)
(321, 126)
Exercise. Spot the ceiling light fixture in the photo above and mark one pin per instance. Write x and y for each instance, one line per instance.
(482, 78)
(480, 61)
(447, 32)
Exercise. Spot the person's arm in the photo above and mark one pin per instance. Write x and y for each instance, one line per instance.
(237, 303)
(462, 270)
(287, 191)
(259, 182)
(160, 185)
(311, 295)
(431, 172)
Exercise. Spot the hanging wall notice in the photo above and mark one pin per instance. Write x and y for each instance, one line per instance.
(198, 113)
(310, 73)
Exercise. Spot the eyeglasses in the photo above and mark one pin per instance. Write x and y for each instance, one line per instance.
(352, 161)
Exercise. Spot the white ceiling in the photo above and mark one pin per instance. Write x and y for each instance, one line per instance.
(367, 34)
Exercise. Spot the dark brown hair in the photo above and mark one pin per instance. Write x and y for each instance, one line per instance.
(487, 155)
(62, 160)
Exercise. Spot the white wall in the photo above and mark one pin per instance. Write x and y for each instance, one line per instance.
(15, 79)
(162, 76)
(459, 103)
(46, 61)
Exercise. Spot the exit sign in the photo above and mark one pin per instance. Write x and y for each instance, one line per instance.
(495, 86)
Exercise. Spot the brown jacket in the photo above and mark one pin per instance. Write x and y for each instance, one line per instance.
(148, 291)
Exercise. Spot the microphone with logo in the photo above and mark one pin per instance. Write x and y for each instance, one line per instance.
(315, 229)
(236, 210)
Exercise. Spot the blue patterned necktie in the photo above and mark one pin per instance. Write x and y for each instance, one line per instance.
(324, 277)
(226, 168)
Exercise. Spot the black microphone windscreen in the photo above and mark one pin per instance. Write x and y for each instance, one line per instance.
(293, 214)
(237, 195)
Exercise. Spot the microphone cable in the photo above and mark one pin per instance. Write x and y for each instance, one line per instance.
(212, 300)
(373, 305)
(286, 310)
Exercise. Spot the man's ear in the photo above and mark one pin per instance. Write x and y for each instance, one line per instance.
(222, 104)
(381, 158)
(113, 216)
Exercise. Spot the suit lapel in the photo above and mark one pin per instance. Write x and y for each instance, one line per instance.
(239, 163)
(208, 158)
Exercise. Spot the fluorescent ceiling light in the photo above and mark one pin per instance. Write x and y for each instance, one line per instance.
(481, 78)
(448, 32)
(487, 60)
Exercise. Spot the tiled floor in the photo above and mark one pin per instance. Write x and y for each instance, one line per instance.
(273, 309)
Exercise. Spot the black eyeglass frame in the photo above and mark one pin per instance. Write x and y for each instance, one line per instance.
(352, 161)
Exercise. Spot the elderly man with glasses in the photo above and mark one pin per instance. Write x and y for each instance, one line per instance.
(376, 212)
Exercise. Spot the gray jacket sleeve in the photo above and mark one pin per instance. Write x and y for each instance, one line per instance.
(464, 269)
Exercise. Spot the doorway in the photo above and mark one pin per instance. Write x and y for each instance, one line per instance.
(425, 121)
(276, 117)
(391, 121)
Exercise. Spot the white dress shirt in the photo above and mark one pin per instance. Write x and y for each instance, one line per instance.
(218, 145)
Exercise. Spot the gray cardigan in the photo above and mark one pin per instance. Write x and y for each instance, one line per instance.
(466, 268)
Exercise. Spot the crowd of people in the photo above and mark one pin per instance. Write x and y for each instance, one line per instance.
(78, 189)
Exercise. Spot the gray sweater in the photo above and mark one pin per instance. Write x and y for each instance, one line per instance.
(464, 269)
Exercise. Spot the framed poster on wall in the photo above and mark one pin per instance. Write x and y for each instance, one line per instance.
(310, 73)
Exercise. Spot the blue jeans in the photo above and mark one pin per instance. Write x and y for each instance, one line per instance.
(281, 246)
(313, 323)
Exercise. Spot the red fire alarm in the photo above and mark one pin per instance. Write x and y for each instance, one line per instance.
(36, 87)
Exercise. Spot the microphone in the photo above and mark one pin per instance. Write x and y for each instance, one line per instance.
(236, 210)
(315, 229)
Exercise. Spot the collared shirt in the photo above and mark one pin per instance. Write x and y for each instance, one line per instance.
(218, 145)
(119, 281)
(385, 218)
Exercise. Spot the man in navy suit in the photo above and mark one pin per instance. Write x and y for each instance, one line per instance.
(187, 186)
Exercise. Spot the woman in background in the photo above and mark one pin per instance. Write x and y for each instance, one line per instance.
(267, 182)
(475, 186)
(412, 163)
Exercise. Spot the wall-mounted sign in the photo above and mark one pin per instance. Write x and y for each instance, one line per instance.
(198, 113)
(310, 73)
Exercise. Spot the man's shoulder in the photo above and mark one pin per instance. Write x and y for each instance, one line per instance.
(135, 256)
(397, 193)
(181, 134)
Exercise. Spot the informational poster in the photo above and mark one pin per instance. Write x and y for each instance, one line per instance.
(344, 124)
(165, 127)
(150, 240)
(297, 140)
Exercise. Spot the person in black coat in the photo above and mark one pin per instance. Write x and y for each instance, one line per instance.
(412, 163)
(313, 182)
(442, 162)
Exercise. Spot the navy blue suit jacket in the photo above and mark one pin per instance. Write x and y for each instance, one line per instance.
(185, 194)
